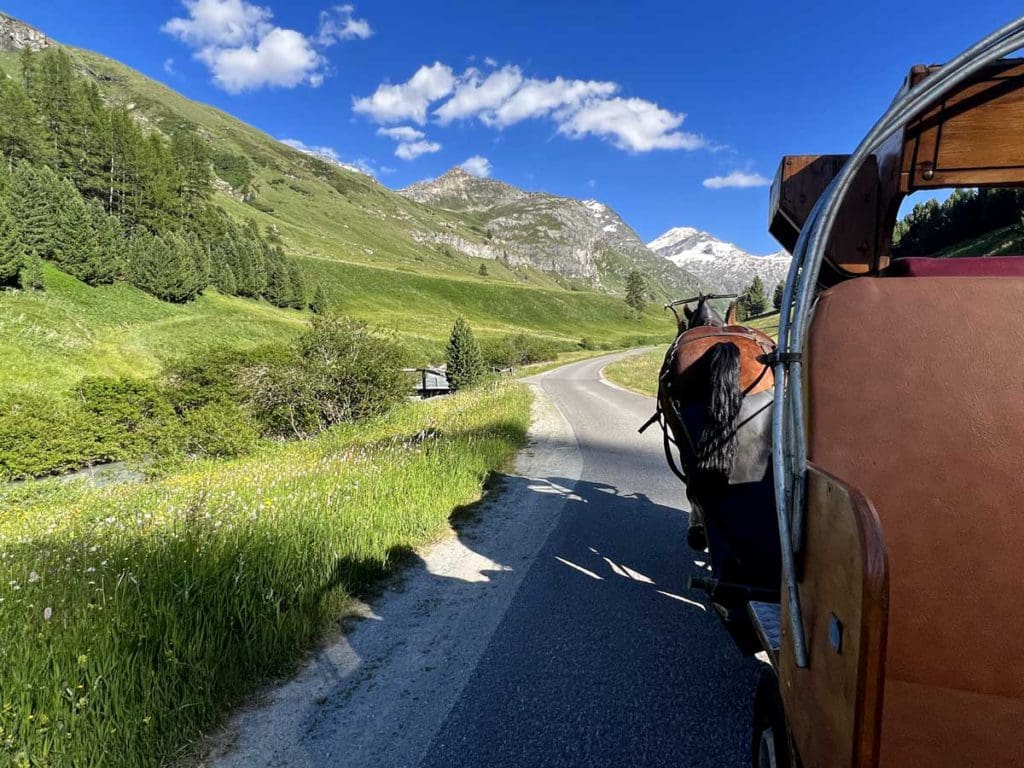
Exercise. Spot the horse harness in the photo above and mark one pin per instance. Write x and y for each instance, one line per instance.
(665, 386)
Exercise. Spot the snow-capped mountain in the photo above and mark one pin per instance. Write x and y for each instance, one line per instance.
(720, 266)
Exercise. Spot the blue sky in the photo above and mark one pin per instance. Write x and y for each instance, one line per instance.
(642, 105)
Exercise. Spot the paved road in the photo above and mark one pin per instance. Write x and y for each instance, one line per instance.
(556, 631)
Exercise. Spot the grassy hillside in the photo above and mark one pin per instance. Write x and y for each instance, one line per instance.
(355, 237)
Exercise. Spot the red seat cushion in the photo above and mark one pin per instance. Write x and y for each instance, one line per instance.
(968, 266)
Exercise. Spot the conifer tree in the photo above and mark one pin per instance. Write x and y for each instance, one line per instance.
(21, 130)
(777, 295)
(319, 304)
(12, 247)
(296, 286)
(465, 362)
(193, 171)
(278, 288)
(636, 290)
(36, 196)
(164, 266)
(754, 301)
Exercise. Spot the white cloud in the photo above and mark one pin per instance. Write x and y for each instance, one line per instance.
(283, 57)
(412, 150)
(475, 94)
(401, 133)
(169, 66)
(411, 142)
(538, 98)
(340, 23)
(244, 50)
(503, 97)
(411, 99)
(634, 125)
(477, 165)
(737, 179)
(221, 23)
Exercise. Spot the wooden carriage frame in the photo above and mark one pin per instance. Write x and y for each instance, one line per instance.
(858, 682)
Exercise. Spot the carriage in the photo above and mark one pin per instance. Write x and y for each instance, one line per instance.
(895, 637)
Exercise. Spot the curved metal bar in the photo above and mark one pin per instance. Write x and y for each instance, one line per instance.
(788, 429)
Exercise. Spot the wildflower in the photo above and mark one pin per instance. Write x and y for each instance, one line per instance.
(33, 577)
(47, 613)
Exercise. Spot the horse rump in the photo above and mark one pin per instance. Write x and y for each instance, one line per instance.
(716, 449)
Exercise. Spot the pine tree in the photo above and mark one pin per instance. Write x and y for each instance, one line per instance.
(13, 251)
(483, 270)
(777, 295)
(296, 286)
(193, 171)
(278, 289)
(165, 267)
(636, 290)
(319, 305)
(36, 197)
(465, 362)
(21, 130)
(754, 301)
(75, 237)
(103, 262)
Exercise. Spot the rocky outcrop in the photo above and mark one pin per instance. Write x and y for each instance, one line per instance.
(16, 35)
(579, 239)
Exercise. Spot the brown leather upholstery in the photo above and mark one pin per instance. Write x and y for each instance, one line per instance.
(916, 398)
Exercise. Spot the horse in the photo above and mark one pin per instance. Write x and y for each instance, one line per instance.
(714, 405)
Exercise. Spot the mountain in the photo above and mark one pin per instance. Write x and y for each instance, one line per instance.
(579, 239)
(374, 254)
(720, 266)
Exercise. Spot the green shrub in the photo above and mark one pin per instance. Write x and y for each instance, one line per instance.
(521, 349)
(345, 371)
(40, 436)
(219, 375)
(132, 417)
(218, 430)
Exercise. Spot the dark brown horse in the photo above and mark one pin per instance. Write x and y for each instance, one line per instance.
(714, 402)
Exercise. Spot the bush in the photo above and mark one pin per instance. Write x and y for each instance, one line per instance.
(521, 349)
(131, 417)
(220, 430)
(41, 436)
(345, 371)
(219, 376)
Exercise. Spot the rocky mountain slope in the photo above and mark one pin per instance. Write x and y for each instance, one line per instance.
(718, 265)
(581, 239)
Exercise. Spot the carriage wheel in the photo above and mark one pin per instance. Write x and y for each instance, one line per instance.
(770, 742)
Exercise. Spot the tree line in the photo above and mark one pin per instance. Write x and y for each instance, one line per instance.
(965, 214)
(83, 185)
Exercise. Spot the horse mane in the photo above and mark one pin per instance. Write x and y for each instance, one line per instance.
(716, 448)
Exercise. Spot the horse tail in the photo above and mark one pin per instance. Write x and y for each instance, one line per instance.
(716, 449)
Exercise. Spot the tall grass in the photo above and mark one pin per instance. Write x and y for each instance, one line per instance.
(638, 372)
(131, 617)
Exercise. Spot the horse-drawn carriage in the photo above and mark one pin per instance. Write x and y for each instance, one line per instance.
(893, 619)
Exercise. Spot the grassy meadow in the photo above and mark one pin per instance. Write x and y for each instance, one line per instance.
(132, 617)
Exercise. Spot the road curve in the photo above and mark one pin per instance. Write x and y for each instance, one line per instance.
(555, 630)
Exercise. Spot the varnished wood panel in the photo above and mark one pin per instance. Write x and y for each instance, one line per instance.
(974, 137)
(834, 705)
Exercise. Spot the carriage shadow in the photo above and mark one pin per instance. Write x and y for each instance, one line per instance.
(614, 624)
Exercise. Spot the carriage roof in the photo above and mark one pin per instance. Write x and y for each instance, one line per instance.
(973, 137)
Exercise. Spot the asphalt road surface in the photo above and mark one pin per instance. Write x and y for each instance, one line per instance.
(554, 630)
